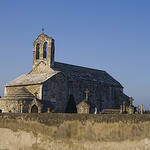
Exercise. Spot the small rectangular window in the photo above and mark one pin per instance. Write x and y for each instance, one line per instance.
(53, 100)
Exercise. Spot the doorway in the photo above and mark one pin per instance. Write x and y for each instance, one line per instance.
(34, 109)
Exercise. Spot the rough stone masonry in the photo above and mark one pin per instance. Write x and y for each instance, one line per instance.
(49, 84)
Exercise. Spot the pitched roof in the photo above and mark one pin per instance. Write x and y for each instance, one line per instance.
(81, 73)
(22, 93)
(29, 79)
(43, 35)
(86, 103)
(71, 71)
(83, 103)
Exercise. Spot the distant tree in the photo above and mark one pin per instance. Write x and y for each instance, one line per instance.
(71, 105)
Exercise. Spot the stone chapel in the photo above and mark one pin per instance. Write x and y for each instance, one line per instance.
(49, 84)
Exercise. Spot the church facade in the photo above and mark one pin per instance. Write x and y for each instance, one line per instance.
(49, 84)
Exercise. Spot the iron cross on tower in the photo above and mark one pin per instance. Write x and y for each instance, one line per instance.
(86, 91)
(43, 30)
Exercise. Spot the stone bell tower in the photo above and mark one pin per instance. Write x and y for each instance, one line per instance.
(43, 51)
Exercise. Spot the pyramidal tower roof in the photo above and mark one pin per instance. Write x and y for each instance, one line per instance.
(22, 93)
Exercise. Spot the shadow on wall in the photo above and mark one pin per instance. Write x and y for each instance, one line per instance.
(71, 105)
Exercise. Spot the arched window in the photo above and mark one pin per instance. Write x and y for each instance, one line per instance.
(45, 49)
(0, 111)
(52, 55)
(38, 51)
(34, 109)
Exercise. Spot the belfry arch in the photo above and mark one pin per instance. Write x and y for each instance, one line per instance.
(45, 50)
(37, 51)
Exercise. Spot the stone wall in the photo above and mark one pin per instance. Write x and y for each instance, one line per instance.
(102, 95)
(74, 131)
(55, 90)
(14, 106)
(9, 106)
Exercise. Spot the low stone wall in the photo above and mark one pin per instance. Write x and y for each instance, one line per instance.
(74, 131)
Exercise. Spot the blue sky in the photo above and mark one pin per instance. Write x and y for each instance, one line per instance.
(110, 35)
